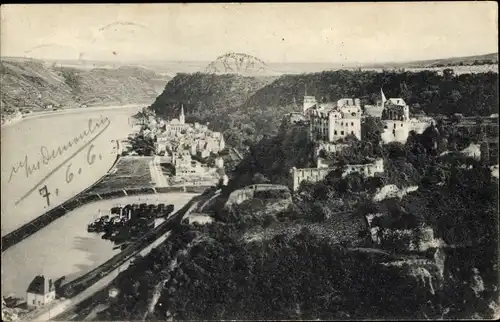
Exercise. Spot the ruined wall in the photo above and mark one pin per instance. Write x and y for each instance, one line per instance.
(318, 174)
(307, 174)
(246, 193)
(398, 131)
(368, 170)
(328, 147)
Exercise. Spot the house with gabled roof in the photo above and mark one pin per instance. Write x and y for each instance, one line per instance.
(40, 292)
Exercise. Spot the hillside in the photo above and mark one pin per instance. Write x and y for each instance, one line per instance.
(34, 84)
(272, 157)
(208, 97)
(471, 94)
(248, 108)
(317, 262)
(425, 91)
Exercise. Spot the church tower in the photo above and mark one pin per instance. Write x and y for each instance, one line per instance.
(181, 117)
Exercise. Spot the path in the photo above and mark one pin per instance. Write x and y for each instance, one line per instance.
(156, 173)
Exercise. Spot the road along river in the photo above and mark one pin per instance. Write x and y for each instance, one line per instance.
(47, 159)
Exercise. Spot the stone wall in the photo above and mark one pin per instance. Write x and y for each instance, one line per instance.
(318, 174)
(368, 170)
(398, 131)
(246, 193)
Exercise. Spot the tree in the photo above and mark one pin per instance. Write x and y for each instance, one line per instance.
(448, 73)
(259, 178)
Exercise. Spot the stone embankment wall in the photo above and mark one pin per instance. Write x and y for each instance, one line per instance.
(248, 192)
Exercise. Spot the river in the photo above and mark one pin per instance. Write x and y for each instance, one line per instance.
(64, 247)
(26, 139)
(31, 147)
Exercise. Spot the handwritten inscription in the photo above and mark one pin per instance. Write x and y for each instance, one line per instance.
(47, 157)
(44, 192)
(90, 160)
(69, 174)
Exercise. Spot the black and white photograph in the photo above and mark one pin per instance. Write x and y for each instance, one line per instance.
(332, 161)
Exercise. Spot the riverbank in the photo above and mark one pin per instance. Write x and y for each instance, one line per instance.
(96, 280)
(12, 121)
(38, 114)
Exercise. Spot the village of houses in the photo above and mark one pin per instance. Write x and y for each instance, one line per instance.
(184, 153)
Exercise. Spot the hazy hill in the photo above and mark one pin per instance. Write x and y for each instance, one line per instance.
(491, 58)
(171, 68)
(34, 84)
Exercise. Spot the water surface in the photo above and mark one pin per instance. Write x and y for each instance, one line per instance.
(31, 148)
(65, 248)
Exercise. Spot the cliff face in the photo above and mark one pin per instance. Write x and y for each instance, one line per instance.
(34, 84)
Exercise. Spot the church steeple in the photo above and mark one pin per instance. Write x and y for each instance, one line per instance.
(181, 118)
(384, 99)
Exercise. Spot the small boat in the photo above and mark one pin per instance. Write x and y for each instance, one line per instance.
(116, 210)
(165, 211)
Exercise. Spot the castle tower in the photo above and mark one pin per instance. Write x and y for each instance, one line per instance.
(406, 113)
(181, 117)
(309, 101)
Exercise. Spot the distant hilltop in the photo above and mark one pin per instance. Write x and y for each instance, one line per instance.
(487, 59)
(239, 63)
(248, 65)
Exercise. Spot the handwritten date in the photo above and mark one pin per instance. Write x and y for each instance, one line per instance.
(91, 157)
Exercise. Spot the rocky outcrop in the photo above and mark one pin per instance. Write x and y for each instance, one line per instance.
(10, 314)
(392, 191)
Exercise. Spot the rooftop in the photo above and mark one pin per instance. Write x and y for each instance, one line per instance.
(41, 285)
(397, 101)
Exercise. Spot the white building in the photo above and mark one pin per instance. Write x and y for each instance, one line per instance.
(41, 291)
(177, 125)
(397, 121)
(219, 162)
(196, 138)
(333, 121)
(185, 166)
(224, 180)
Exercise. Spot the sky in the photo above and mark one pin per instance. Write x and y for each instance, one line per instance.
(275, 33)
